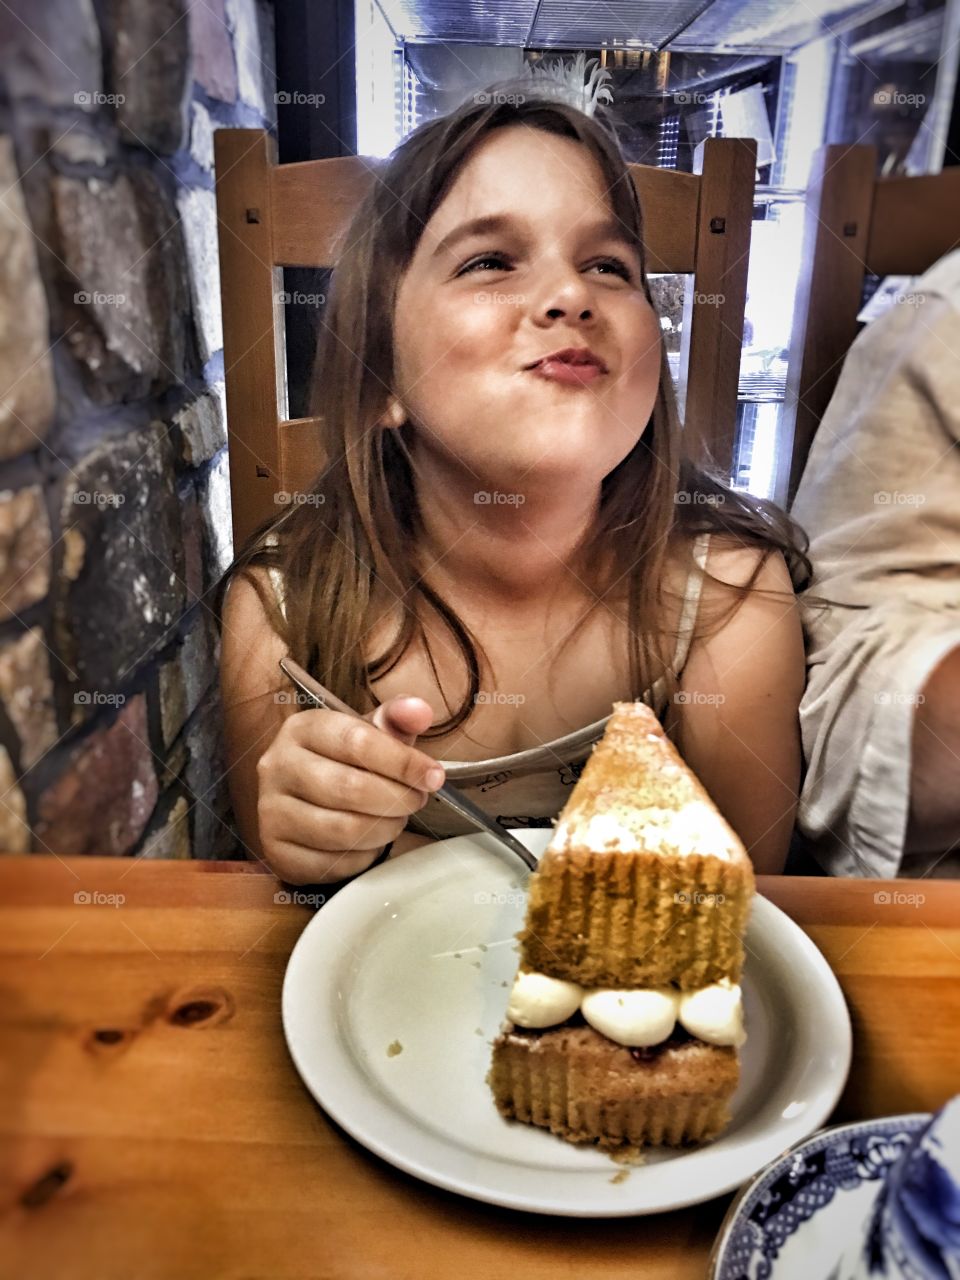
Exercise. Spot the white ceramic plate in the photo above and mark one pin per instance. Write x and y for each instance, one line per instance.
(398, 985)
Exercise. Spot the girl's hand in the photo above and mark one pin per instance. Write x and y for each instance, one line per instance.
(334, 790)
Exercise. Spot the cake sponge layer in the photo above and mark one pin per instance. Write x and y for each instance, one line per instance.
(584, 1088)
(637, 919)
(643, 882)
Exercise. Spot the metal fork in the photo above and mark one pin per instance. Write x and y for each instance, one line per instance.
(448, 794)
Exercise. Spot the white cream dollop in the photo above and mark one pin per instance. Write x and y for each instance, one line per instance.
(541, 1001)
(637, 1018)
(714, 1013)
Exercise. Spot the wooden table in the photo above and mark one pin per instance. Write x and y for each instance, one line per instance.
(154, 1126)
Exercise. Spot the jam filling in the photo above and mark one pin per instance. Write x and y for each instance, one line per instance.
(649, 1053)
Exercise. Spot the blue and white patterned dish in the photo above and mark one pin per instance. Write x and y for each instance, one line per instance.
(808, 1208)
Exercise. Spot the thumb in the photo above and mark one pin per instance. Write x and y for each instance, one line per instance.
(403, 717)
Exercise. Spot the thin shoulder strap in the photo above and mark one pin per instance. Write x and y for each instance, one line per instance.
(276, 577)
(691, 602)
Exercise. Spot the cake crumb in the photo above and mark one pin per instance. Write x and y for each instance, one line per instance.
(478, 1031)
(503, 984)
(482, 946)
(457, 955)
(622, 1176)
(394, 1049)
(634, 1156)
(475, 963)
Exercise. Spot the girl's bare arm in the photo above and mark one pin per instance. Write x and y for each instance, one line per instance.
(739, 727)
(252, 713)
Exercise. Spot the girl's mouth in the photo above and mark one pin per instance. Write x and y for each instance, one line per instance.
(571, 374)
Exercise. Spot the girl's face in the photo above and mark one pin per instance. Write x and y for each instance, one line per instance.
(477, 306)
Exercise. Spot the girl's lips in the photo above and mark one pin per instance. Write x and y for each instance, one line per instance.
(563, 371)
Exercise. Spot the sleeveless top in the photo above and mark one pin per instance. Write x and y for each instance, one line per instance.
(529, 788)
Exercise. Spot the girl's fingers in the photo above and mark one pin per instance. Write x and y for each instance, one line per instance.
(327, 830)
(357, 742)
(332, 785)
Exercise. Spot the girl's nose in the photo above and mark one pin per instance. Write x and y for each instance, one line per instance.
(566, 296)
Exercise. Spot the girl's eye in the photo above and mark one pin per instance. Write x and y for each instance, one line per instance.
(483, 261)
(618, 265)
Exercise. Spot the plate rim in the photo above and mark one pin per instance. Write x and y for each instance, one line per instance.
(347, 1118)
(884, 1124)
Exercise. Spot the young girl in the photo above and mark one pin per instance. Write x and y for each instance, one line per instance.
(507, 537)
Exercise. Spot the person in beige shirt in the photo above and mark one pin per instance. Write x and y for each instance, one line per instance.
(880, 500)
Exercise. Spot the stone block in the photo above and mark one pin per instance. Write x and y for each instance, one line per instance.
(214, 68)
(198, 213)
(213, 497)
(203, 432)
(172, 838)
(27, 694)
(150, 62)
(201, 136)
(126, 292)
(206, 778)
(24, 549)
(186, 677)
(253, 45)
(51, 52)
(125, 591)
(28, 399)
(102, 801)
(14, 830)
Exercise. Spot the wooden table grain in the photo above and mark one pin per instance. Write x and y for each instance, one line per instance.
(153, 1126)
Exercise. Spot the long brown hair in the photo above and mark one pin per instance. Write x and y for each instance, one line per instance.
(352, 538)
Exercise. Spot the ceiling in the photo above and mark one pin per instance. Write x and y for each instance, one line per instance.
(768, 26)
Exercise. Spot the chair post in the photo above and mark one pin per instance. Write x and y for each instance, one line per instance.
(250, 284)
(829, 290)
(713, 311)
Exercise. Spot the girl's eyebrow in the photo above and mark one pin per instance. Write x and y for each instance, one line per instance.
(488, 224)
(494, 223)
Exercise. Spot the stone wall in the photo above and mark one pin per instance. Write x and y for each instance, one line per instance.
(114, 483)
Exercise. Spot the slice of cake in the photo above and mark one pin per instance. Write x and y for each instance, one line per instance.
(625, 1017)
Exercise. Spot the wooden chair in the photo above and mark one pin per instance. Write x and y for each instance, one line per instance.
(271, 216)
(855, 223)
